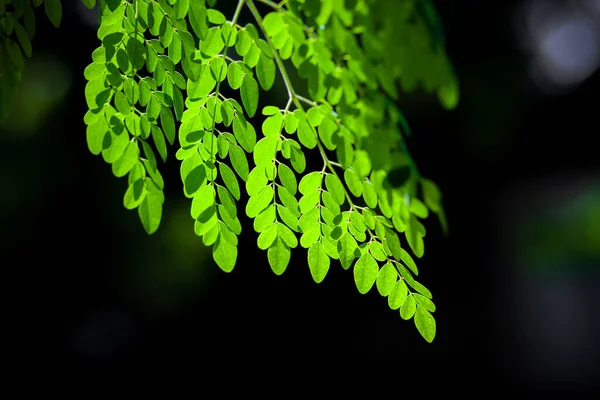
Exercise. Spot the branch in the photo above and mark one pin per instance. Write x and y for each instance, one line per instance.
(294, 97)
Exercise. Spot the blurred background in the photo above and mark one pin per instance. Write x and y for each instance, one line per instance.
(517, 281)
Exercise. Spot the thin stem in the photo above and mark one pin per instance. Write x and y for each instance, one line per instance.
(270, 3)
(237, 12)
(236, 15)
(135, 34)
(296, 99)
(287, 106)
(288, 84)
(278, 61)
(305, 100)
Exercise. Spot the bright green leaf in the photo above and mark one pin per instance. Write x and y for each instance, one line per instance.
(408, 308)
(224, 253)
(318, 262)
(398, 295)
(267, 237)
(150, 211)
(287, 178)
(249, 93)
(265, 71)
(386, 279)
(425, 324)
(259, 202)
(347, 247)
(279, 255)
(310, 182)
(239, 161)
(365, 273)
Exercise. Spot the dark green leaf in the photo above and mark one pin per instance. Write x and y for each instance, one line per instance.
(249, 93)
(53, 11)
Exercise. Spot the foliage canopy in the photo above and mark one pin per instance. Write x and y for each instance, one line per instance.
(159, 79)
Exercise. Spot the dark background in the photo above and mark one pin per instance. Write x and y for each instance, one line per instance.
(517, 281)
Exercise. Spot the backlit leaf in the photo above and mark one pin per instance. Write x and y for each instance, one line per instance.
(249, 93)
(279, 255)
(365, 273)
(318, 262)
(425, 324)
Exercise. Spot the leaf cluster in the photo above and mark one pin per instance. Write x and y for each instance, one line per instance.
(157, 81)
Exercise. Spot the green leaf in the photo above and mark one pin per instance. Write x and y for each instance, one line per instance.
(272, 125)
(135, 194)
(230, 180)
(95, 134)
(249, 93)
(265, 71)
(365, 273)
(448, 94)
(318, 262)
(336, 188)
(287, 178)
(314, 116)
(289, 201)
(432, 195)
(306, 134)
(239, 161)
(229, 34)
(265, 219)
(203, 199)
(259, 202)
(257, 179)
(130, 157)
(270, 110)
(218, 68)
(235, 75)
(168, 123)
(198, 18)
(29, 20)
(408, 261)
(347, 247)
(273, 23)
(244, 133)
(150, 211)
(23, 38)
(243, 43)
(386, 279)
(398, 295)
(181, 8)
(279, 255)
(298, 160)
(89, 3)
(227, 201)
(53, 11)
(424, 302)
(264, 151)
(287, 217)
(310, 182)
(425, 324)
(224, 253)
(267, 237)
(353, 181)
(215, 17)
(194, 180)
(159, 142)
(393, 243)
(362, 163)
(408, 308)
(421, 289)
(291, 123)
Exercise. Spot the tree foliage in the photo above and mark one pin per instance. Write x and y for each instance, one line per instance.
(155, 91)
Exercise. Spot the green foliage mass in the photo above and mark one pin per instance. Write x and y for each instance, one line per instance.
(156, 82)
